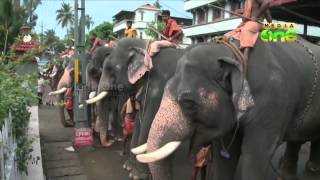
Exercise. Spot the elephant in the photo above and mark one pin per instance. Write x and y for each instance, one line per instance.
(93, 74)
(201, 103)
(65, 82)
(122, 77)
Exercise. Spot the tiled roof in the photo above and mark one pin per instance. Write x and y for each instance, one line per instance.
(22, 47)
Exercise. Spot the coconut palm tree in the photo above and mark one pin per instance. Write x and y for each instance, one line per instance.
(88, 22)
(50, 37)
(65, 16)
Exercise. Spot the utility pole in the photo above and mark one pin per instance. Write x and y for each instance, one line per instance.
(41, 37)
(83, 134)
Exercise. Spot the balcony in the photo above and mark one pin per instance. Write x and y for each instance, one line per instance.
(191, 4)
(223, 25)
(217, 26)
(122, 25)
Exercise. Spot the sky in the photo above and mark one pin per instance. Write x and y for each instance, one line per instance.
(99, 10)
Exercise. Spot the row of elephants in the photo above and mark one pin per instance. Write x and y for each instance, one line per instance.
(191, 95)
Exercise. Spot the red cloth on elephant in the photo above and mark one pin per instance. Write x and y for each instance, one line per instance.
(247, 33)
(128, 125)
(202, 157)
(68, 103)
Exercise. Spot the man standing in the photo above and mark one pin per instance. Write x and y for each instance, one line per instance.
(130, 32)
(172, 31)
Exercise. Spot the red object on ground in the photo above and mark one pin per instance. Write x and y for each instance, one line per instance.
(83, 137)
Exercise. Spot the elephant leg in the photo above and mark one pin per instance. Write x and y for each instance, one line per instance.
(124, 146)
(61, 109)
(141, 171)
(130, 163)
(203, 173)
(289, 161)
(225, 167)
(313, 165)
(258, 148)
(194, 173)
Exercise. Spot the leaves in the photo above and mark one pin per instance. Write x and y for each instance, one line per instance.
(65, 16)
(16, 94)
(150, 30)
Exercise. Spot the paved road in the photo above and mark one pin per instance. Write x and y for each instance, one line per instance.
(101, 163)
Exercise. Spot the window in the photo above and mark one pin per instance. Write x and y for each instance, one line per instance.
(216, 14)
(236, 7)
(141, 15)
(201, 17)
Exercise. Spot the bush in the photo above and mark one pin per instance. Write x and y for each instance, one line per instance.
(16, 94)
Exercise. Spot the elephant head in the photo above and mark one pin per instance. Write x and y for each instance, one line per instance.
(94, 67)
(198, 104)
(114, 87)
(65, 82)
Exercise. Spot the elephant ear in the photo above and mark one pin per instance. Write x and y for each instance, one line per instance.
(139, 63)
(241, 94)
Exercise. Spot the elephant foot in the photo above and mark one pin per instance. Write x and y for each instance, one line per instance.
(139, 175)
(130, 175)
(313, 168)
(287, 170)
(105, 142)
(68, 123)
(127, 166)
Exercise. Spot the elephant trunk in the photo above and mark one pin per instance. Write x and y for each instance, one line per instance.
(61, 110)
(168, 129)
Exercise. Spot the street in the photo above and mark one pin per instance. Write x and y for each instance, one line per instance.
(103, 163)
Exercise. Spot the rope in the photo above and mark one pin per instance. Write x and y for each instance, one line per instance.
(236, 51)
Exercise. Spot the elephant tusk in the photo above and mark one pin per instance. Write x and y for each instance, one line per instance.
(159, 154)
(60, 91)
(52, 75)
(97, 98)
(140, 149)
(92, 94)
(80, 106)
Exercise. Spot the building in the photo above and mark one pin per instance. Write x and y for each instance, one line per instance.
(209, 21)
(141, 17)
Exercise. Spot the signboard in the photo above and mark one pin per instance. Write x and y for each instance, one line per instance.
(83, 137)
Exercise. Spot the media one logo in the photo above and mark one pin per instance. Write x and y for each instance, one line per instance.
(274, 31)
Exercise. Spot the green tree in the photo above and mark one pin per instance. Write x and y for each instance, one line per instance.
(11, 19)
(50, 37)
(88, 21)
(154, 28)
(65, 16)
(103, 31)
(157, 4)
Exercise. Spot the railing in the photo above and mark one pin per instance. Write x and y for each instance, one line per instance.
(8, 145)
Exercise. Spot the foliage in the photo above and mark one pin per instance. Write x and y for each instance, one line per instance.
(12, 17)
(50, 37)
(157, 4)
(88, 21)
(159, 26)
(65, 16)
(16, 94)
(103, 31)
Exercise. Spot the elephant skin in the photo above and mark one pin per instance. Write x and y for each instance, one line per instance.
(114, 80)
(200, 104)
